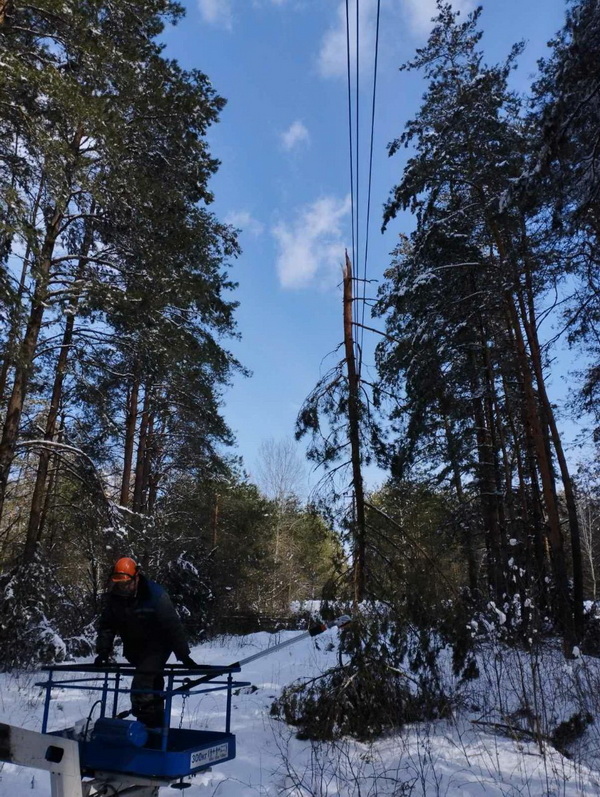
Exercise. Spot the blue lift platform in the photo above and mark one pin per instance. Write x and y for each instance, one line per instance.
(110, 743)
(108, 754)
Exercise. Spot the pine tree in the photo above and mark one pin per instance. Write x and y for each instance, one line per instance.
(79, 63)
(565, 171)
(142, 262)
(470, 142)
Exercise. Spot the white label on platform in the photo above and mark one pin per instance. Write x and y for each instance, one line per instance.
(202, 758)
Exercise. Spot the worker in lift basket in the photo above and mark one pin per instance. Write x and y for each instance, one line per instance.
(141, 613)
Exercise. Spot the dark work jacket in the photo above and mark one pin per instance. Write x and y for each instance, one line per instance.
(147, 624)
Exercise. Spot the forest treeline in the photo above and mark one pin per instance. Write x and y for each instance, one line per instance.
(483, 535)
(117, 309)
(501, 271)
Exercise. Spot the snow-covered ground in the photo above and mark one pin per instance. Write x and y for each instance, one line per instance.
(450, 757)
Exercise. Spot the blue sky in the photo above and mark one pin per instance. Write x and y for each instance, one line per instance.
(285, 175)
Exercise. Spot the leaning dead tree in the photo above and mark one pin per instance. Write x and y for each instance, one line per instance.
(338, 421)
(354, 409)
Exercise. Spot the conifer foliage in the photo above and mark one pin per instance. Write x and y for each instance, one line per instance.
(566, 108)
(463, 303)
(115, 279)
(480, 529)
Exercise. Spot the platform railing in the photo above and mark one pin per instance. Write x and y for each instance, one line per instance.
(111, 677)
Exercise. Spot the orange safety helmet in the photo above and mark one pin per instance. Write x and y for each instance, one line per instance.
(125, 569)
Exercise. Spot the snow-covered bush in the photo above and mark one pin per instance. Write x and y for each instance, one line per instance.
(390, 673)
(83, 644)
(35, 617)
(188, 583)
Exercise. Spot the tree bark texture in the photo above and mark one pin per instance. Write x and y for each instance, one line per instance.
(354, 435)
(130, 426)
(539, 436)
(570, 500)
(142, 453)
(539, 432)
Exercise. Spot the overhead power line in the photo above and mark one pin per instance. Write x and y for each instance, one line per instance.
(355, 264)
(350, 125)
(364, 293)
(355, 151)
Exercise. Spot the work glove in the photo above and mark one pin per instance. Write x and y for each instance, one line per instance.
(101, 660)
(189, 662)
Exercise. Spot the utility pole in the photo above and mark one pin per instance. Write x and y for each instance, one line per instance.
(359, 526)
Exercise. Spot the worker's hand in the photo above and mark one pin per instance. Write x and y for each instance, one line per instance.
(101, 660)
(189, 662)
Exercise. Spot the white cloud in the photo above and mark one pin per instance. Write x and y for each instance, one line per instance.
(221, 12)
(294, 135)
(217, 12)
(333, 57)
(311, 248)
(244, 221)
(416, 15)
(420, 13)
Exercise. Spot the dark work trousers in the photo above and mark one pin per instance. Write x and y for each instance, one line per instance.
(147, 707)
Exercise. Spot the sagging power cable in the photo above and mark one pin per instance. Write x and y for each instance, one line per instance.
(364, 292)
(354, 145)
(350, 125)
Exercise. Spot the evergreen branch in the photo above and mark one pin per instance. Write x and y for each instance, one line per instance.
(415, 544)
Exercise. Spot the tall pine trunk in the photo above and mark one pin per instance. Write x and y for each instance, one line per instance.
(52, 483)
(539, 432)
(529, 497)
(130, 426)
(35, 526)
(24, 362)
(530, 325)
(142, 453)
(540, 441)
(15, 322)
(156, 451)
(360, 541)
(487, 483)
(490, 402)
